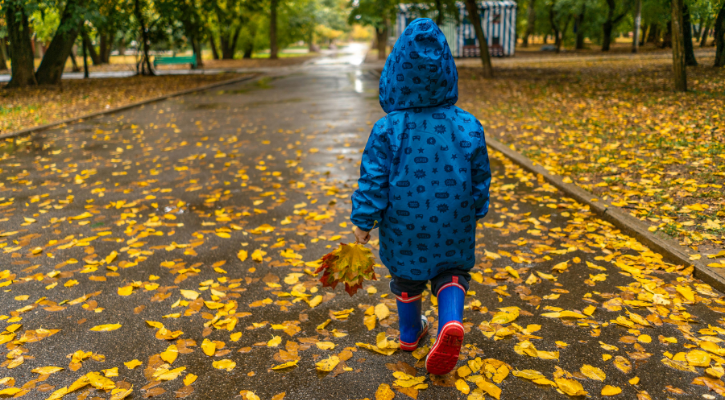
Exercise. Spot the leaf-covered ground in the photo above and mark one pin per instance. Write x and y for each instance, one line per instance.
(33, 106)
(615, 128)
(168, 252)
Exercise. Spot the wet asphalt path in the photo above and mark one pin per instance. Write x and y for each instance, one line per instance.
(177, 189)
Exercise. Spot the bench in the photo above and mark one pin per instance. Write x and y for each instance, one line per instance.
(160, 60)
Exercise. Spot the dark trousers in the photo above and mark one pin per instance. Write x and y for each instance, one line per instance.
(408, 288)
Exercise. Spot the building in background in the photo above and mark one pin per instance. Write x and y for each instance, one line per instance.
(498, 19)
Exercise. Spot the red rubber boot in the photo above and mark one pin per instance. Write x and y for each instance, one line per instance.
(443, 357)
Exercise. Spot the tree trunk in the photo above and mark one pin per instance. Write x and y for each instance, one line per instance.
(678, 47)
(607, 37)
(637, 25)
(249, 46)
(472, 8)
(554, 27)
(705, 32)
(690, 59)
(3, 56)
(145, 63)
(273, 30)
(654, 34)
(196, 47)
(229, 44)
(73, 60)
(38, 48)
(103, 48)
(21, 47)
(667, 38)
(579, 31)
(86, 75)
(89, 48)
(382, 40)
(51, 68)
(439, 9)
(212, 43)
(530, 23)
(720, 38)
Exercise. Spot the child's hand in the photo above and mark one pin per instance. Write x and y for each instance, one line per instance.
(362, 236)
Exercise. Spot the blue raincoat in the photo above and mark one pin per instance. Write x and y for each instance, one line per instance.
(425, 174)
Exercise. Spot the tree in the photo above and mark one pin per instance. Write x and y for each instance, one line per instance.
(610, 23)
(687, 41)
(678, 47)
(145, 63)
(579, 27)
(530, 22)
(378, 14)
(51, 67)
(231, 16)
(85, 36)
(273, 29)
(720, 37)
(472, 9)
(637, 24)
(559, 18)
(21, 49)
(705, 31)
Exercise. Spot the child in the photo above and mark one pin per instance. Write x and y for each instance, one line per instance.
(424, 182)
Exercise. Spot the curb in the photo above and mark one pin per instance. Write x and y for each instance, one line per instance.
(32, 130)
(629, 225)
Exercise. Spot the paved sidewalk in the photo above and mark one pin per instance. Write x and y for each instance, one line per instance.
(195, 224)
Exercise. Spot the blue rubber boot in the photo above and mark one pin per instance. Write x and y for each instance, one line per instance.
(443, 357)
(413, 325)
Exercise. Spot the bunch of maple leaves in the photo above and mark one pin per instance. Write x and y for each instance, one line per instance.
(350, 264)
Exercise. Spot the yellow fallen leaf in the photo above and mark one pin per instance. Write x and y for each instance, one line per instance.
(462, 386)
(369, 321)
(384, 392)
(328, 364)
(189, 294)
(10, 391)
(47, 370)
(224, 364)
(285, 365)
(242, 255)
(381, 311)
(623, 364)
(592, 372)
(258, 255)
(570, 387)
(170, 354)
(325, 345)
(132, 364)
(274, 342)
(315, 301)
(189, 379)
(125, 291)
(608, 390)
(106, 328)
(698, 358)
(489, 388)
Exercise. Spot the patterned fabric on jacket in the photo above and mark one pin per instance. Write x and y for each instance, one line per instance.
(425, 174)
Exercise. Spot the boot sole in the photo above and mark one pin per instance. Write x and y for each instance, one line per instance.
(443, 357)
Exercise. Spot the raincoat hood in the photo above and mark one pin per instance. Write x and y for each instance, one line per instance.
(420, 71)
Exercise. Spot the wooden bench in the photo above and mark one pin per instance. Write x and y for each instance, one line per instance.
(160, 60)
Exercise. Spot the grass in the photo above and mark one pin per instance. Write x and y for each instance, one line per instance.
(28, 107)
(617, 129)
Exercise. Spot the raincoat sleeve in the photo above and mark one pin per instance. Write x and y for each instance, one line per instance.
(371, 198)
(481, 177)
